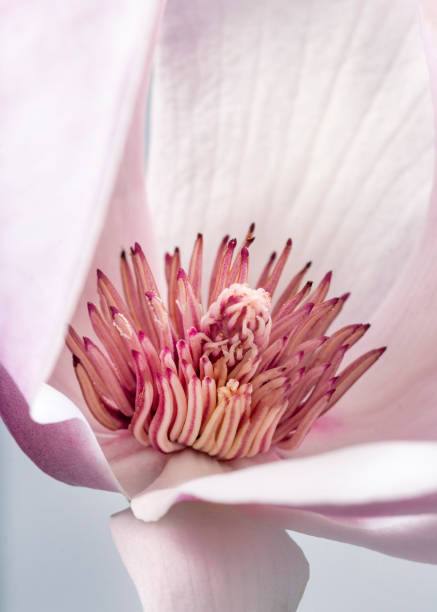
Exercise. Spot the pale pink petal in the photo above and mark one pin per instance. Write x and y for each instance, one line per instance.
(361, 496)
(127, 220)
(397, 398)
(367, 480)
(411, 537)
(127, 465)
(180, 468)
(311, 118)
(70, 75)
(75, 163)
(429, 32)
(67, 450)
(202, 557)
(134, 466)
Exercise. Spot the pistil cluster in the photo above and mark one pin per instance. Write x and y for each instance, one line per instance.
(230, 379)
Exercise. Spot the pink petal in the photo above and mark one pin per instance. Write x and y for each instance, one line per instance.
(134, 466)
(411, 537)
(90, 122)
(382, 497)
(126, 465)
(397, 398)
(71, 76)
(179, 468)
(127, 220)
(391, 478)
(66, 450)
(59, 439)
(202, 557)
(313, 120)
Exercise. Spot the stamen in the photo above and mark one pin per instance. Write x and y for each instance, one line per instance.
(292, 289)
(266, 271)
(216, 267)
(130, 290)
(272, 282)
(232, 381)
(195, 269)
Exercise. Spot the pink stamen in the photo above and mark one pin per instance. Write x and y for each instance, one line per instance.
(266, 271)
(195, 269)
(273, 280)
(230, 381)
(216, 268)
(292, 289)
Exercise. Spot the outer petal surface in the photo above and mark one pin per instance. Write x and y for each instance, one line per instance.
(213, 558)
(67, 450)
(311, 118)
(71, 75)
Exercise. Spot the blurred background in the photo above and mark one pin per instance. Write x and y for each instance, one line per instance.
(57, 555)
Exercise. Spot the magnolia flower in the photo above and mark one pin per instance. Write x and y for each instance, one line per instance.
(243, 126)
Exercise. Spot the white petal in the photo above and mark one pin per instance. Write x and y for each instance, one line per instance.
(397, 398)
(311, 118)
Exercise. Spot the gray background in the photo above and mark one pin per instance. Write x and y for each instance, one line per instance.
(57, 555)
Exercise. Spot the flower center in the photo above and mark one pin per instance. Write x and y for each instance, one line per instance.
(238, 321)
(231, 381)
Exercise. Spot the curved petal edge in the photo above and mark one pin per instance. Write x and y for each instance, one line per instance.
(213, 558)
(66, 450)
